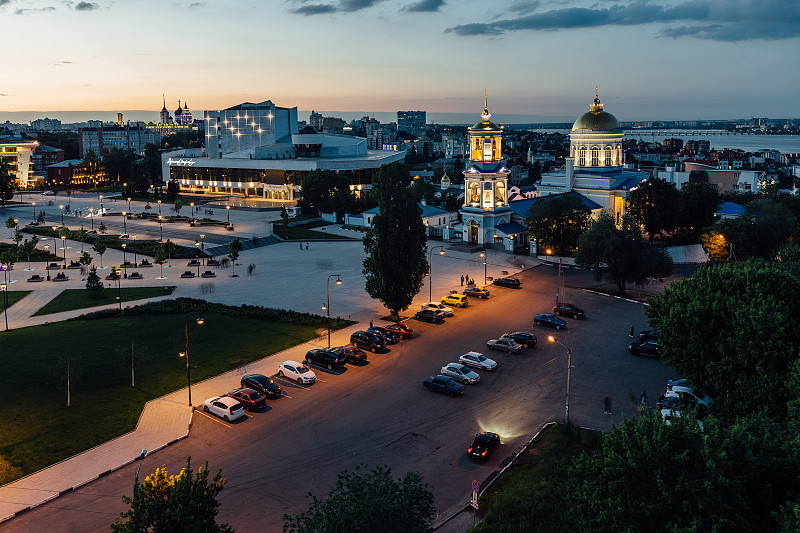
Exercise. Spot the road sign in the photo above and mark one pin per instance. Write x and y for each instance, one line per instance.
(474, 501)
(475, 486)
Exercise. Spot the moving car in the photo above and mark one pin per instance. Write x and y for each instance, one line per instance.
(224, 407)
(483, 445)
(262, 385)
(297, 372)
(456, 300)
(564, 309)
(476, 292)
(446, 311)
(460, 373)
(367, 341)
(649, 348)
(249, 398)
(382, 334)
(504, 343)
(523, 338)
(429, 315)
(512, 283)
(649, 335)
(326, 358)
(443, 384)
(353, 354)
(401, 331)
(549, 319)
(477, 360)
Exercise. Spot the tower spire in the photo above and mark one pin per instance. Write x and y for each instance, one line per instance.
(485, 115)
(164, 100)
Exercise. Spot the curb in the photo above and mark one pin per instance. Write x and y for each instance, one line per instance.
(617, 297)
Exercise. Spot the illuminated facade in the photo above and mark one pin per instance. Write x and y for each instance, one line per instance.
(18, 155)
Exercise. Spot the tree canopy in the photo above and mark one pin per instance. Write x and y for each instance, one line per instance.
(6, 182)
(326, 191)
(696, 210)
(653, 205)
(557, 221)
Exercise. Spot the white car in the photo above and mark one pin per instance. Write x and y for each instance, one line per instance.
(689, 395)
(504, 343)
(478, 360)
(297, 372)
(224, 407)
(460, 373)
(667, 414)
(446, 311)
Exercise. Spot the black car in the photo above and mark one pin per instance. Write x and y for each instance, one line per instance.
(443, 384)
(326, 357)
(354, 355)
(429, 315)
(383, 334)
(649, 335)
(483, 445)
(261, 384)
(367, 341)
(512, 283)
(523, 338)
(650, 348)
(572, 310)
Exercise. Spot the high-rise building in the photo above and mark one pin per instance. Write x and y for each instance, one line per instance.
(413, 122)
(129, 137)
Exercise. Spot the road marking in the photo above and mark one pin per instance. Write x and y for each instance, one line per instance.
(551, 360)
(287, 380)
(215, 419)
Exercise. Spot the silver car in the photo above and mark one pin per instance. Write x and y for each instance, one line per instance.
(477, 360)
(460, 373)
(504, 343)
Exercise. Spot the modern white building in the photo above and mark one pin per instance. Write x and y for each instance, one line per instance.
(722, 180)
(18, 153)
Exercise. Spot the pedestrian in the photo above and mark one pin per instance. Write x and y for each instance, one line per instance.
(301, 245)
(462, 280)
(467, 277)
(370, 324)
(644, 398)
(631, 333)
(306, 245)
(607, 405)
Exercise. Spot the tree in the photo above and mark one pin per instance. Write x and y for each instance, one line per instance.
(652, 204)
(18, 236)
(170, 247)
(28, 247)
(325, 191)
(118, 164)
(173, 189)
(234, 248)
(100, 248)
(81, 236)
(94, 285)
(751, 310)
(91, 164)
(557, 221)
(160, 257)
(85, 259)
(11, 224)
(621, 256)
(697, 209)
(6, 182)
(183, 502)
(395, 245)
(364, 501)
(284, 217)
(178, 205)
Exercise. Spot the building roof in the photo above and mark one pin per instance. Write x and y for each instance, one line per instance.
(509, 228)
(730, 209)
(596, 119)
(521, 207)
(66, 163)
(629, 183)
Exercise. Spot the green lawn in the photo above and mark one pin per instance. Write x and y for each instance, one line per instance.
(71, 299)
(15, 296)
(305, 232)
(37, 427)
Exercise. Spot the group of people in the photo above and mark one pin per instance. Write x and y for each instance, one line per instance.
(465, 277)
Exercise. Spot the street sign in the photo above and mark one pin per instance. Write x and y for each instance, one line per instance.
(474, 501)
(475, 486)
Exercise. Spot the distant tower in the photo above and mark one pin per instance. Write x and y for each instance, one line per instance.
(186, 116)
(165, 118)
(179, 115)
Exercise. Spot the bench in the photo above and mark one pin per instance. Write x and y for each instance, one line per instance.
(187, 274)
(74, 265)
(53, 266)
(36, 277)
(61, 277)
(144, 263)
(135, 275)
(193, 263)
(208, 274)
(212, 262)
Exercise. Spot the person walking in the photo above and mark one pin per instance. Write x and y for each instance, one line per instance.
(301, 245)
(462, 280)
(631, 333)
(306, 245)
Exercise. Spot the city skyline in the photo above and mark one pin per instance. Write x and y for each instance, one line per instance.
(538, 60)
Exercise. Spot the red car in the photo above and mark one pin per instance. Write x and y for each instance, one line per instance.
(353, 354)
(249, 398)
(400, 330)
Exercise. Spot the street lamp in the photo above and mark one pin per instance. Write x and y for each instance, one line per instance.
(197, 244)
(101, 204)
(124, 260)
(160, 227)
(328, 306)
(731, 255)
(5, 293)
(47, 249)
(159, 208)
(569, 368)
(129, 203)
(91, 215)
(125, 222)
(203, 248)
(430, 271)
(134, 250)
(228, 209)
(485, 255)
(136, 481)
(33, 206)
(55, 245)
(199, 322)
(64, 248)
(558, 279)
(62, 213)
(191, 204)
(118, 279)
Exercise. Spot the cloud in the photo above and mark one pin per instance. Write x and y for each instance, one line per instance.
(426, 6)
(719, 20)
(343, 6)
(23, 11)
(86, 6)
(59, 63)
(524, 6)
(357, 5)
(196, 4)
(314, 9)
(4, 2)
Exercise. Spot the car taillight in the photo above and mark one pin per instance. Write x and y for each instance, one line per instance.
(484, 452)
(470, 450)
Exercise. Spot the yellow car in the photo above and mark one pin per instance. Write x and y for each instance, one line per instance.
(456, 300)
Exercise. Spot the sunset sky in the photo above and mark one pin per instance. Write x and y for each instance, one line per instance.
(659, 59)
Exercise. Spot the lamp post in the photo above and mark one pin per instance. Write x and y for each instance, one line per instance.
(118, 279)
(731, 255)
(47, 249)
(159, 208)
(569, 368)
(199, 322)
(55, 245)
(124, 260)
(134, 250)
(203, 248)
(191, 204)
(136, 480)
(62, 214)
(328, 306)
(91, 216)
(129, 204)
(64, 249)
(160, 228)
(125, 222)
(558, 279)
(197, 244)
(5, 293)
(33, 206)
(228, 209)
(485, 254)
(101, 204)
(430, 271)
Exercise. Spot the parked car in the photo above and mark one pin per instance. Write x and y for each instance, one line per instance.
(681, 382)
(549, 319)
(505, 344)
(483, 445)
(459, 372)
(649, 335)
(649, 348)
(298, 372)
(429, 315)
(367, 341)
(564, 309)
(477, 360)
(352, 354)
(456, 300)
(512, 283)
(523, 338)
(443, 384)
(261, 384)
(477, 292)
(446, 311)
(668, 414)
(401, 331)
(689, 395)
(249, 398)
(326, 358)
(224, 407)
(382, 334)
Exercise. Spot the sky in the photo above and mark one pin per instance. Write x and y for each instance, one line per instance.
(538, 60)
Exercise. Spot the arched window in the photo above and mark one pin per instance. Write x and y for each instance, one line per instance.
(619, 155)
(572, 152)
(595, 156)
(474, 194)
(499, 193)
(582, 156)
(608, 156)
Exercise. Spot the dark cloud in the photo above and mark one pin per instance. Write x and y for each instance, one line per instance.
(341, 7)
(4, 2)
(196, 4)
(86, 6)
(314, 9)
(426, 6)
(719, 20)
(357, 5)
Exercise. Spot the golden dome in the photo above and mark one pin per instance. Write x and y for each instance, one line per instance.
(596, 119)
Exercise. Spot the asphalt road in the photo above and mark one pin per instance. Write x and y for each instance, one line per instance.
(381, 414)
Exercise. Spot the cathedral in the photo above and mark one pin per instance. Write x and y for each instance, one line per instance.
(183, 117)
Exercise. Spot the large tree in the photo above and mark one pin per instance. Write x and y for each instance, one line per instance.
(186, 502)
(6, 182)
(557, 221)
(696, 210)
(396, 243)
(735, 329)
(652, 204)
(365, 502)
(325, 191)
(621, 255)
(91, 164)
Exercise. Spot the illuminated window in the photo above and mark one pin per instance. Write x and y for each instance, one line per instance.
(608, 156)
(595, 156)
(582, 156)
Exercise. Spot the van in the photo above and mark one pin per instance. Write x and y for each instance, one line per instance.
(458, 300)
